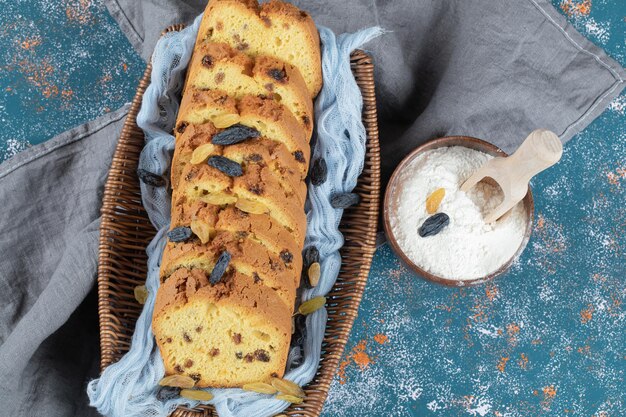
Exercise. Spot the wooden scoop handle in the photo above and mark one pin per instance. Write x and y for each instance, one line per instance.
(541, 149)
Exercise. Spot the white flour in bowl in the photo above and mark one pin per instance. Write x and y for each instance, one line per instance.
(467, 248)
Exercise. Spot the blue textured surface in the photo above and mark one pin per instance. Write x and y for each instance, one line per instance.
(62, 63)
(548, 338)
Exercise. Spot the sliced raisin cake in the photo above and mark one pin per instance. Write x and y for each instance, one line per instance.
(232, 264)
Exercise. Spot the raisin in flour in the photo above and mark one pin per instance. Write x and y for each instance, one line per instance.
(467, 248)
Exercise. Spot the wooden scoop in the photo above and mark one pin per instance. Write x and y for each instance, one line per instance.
(539, 151)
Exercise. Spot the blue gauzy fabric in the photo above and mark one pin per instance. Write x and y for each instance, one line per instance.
(128, 388)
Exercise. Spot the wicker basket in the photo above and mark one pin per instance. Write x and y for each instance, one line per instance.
(125, 231)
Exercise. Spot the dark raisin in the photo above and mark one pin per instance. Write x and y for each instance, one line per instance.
(207, 61)
(267, 21)
(286, 256)
(274, 374)
(262, 355)
(299, 155)
(241, 234)
(297, 339)
(274, 265)
(300, 330)
(178, 368)
(310, 256)
(269, 87)
(249, 357)
(199, 329)
(238, 355)
(187, 337)
(242, 46)
(319, 172)
(220, 267)
(235, 134)
(255, 157)
(277, 74)
(179, 234)
(188, 363)
(214, 352)
(168, 340)
(434, 224)
(344, 200)
(167, 393)
(256, 189)
(306, 120)
(237, 338)
(256, 277)
(150, 178)
(219, 77)
(225, 165)
(191, 174)
(195, 377)
(181, 127)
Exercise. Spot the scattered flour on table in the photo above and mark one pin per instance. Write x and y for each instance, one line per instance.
(467, 248)
(618, 104)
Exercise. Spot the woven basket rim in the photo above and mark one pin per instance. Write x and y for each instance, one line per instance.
(125, 232)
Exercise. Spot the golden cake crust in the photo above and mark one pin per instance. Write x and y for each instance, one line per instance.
(260, 227)
(200, 106)
(269, 117)
(217, 66)
(267, 110)
(249, 258)
(272, 152)
(253, 154)
(275, 29)
(275, 156)
(258, 184)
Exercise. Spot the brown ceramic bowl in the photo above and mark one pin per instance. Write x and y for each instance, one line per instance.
(394, 185)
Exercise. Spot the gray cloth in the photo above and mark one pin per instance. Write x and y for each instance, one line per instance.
(51, 198)
(491, 69)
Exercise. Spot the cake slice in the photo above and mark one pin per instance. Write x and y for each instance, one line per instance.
(270, 156)
(257, 191)
(269, 117)
(276, 29)
(248, 257)
(200, 106)
(224, 335)
(217, 66)
(258, 227)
